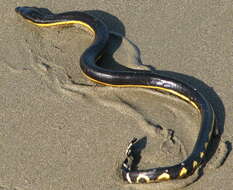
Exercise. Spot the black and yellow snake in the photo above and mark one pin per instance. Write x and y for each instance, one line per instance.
(133, 78)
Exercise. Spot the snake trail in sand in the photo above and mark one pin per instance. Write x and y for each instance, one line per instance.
(133, 78)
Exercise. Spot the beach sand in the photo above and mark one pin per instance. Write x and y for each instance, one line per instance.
(58, 130)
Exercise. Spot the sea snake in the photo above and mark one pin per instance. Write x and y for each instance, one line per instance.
(133, 78)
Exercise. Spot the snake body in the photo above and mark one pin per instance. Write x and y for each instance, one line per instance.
(133, 78)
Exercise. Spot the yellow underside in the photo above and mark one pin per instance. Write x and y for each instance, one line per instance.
(146, 86)
(113, 85)
(64, 23)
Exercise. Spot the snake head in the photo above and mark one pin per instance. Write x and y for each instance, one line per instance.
(33, 13)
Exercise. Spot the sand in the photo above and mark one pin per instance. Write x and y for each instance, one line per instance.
(60, 131)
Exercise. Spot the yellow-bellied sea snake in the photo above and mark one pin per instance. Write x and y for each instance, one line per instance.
(133, 78)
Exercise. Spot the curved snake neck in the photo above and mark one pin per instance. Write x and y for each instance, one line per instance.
(133, 78)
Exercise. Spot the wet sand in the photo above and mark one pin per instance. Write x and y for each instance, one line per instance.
(58, 130)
